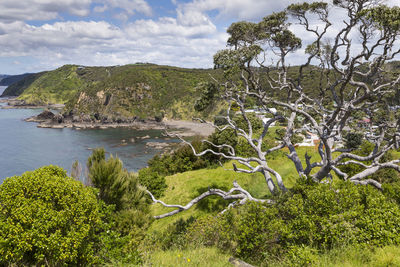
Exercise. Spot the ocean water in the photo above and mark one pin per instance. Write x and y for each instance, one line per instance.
(25, 147)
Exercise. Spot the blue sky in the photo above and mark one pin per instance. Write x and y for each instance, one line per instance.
(38, 35)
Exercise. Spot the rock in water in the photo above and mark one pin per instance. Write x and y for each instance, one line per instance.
(58, 118)
(45, 115)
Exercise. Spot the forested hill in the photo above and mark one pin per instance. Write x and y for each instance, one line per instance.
(137, 90)
(2, 76)
(6, 80)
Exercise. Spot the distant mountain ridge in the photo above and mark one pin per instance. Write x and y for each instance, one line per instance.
(7, 80)
(2, 76)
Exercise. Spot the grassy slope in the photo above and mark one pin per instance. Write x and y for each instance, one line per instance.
(339, 257)
(54, 86)
(183, 187)
(205, 257)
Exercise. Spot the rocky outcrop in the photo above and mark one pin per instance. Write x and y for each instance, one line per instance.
(46, 115)
(157, 145)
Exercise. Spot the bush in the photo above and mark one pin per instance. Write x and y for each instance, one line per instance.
(295, 138)
(153, 181)
(47, 218)
(353, 140)
(309, 218)
(116, 185)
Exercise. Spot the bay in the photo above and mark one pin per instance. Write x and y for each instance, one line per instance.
(25, 147)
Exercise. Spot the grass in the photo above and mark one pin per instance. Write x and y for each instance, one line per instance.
(359, 256)
(339, 257)
(190, 257)
(183, 187)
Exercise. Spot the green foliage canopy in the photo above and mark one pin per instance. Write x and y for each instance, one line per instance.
(47, 218)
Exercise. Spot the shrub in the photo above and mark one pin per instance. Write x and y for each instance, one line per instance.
(153, 181)
(353, 140)
(309, 218)
(47, 218)
(116, 185)
(301, 256)
(208, 95)
(295, 138)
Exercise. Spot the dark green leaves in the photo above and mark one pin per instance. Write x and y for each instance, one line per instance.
(384, 18)
(301, 9)
(242, 33)
(236, 59)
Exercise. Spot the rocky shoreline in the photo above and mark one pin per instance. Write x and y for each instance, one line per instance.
(13, 103)
(47, 119)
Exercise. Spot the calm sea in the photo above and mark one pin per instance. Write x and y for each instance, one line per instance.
(25, 147)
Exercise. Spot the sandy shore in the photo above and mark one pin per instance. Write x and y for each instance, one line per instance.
(190, 128)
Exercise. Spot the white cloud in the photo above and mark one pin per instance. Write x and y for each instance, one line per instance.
(23, 39)
(12, 10)
(42, 10)
(236, 9)
(162, 41)
(129, 6)
(100, 9)
(172, 27)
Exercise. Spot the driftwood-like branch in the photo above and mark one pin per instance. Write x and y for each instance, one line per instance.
(236, 193)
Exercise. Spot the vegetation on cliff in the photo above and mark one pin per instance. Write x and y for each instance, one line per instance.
(118, 93)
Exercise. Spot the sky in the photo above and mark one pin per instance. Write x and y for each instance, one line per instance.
(37, 35)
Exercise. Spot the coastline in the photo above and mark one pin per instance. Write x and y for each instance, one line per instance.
(56, 121)
(183, 128)
(14, 103)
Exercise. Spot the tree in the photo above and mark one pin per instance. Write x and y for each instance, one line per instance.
(116, 185)
(47, 218)
(338, 80)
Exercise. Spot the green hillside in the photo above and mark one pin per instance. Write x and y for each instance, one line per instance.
(140, 90)
(117, 92)
(17, 88)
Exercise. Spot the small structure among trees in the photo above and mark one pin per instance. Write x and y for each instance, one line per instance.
(340, 79)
